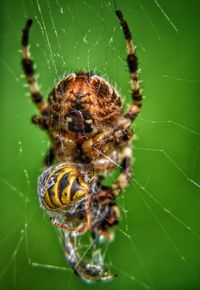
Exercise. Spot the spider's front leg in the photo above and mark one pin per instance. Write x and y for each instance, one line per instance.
(132, 61)
(29, 72)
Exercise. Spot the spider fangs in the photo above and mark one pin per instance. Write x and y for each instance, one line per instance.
(90, 136)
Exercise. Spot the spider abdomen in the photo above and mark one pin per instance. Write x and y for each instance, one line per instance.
(82, 102)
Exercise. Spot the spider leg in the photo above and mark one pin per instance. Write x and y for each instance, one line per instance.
(124, 163)
(49, 157)
(79, 230)
(107, 216)
(105, 234)
(41, 122)
(125, 174)
(132, 61)
(121, 133)
(27, 65)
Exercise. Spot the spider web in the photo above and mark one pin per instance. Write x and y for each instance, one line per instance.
(157, 242)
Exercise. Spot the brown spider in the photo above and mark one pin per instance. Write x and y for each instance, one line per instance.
(90, 136)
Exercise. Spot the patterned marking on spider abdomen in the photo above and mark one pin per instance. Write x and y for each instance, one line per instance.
(82, 102)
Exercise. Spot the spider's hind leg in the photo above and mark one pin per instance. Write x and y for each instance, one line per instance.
(125, 174)
(29, 72)
(49, 157)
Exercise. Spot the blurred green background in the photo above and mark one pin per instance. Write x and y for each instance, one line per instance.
(157, 243)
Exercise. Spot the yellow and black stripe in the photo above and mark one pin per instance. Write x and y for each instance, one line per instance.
(63, 187)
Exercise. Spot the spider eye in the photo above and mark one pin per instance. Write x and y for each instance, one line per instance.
(61, 186)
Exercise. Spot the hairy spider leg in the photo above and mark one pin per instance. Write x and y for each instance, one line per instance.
(122, 131)
(37, 98)
(49, 157)
(132, 61)
(41, 122)
(125, 172)
(27, 65)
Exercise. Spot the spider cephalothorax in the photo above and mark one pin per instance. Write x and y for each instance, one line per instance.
(90, 136)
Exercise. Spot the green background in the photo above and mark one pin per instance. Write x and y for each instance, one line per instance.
(157, 243)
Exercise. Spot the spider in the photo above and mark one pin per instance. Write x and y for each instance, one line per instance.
(90, 136)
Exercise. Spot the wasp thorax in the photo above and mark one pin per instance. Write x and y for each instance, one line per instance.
(61, 186)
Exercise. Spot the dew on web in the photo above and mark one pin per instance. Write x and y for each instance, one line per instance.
(178, 79)
(151, 22)
(12, 256)
(14, 189)
(166, 15)
(47, 38)
(159, 229)
(9, 69)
